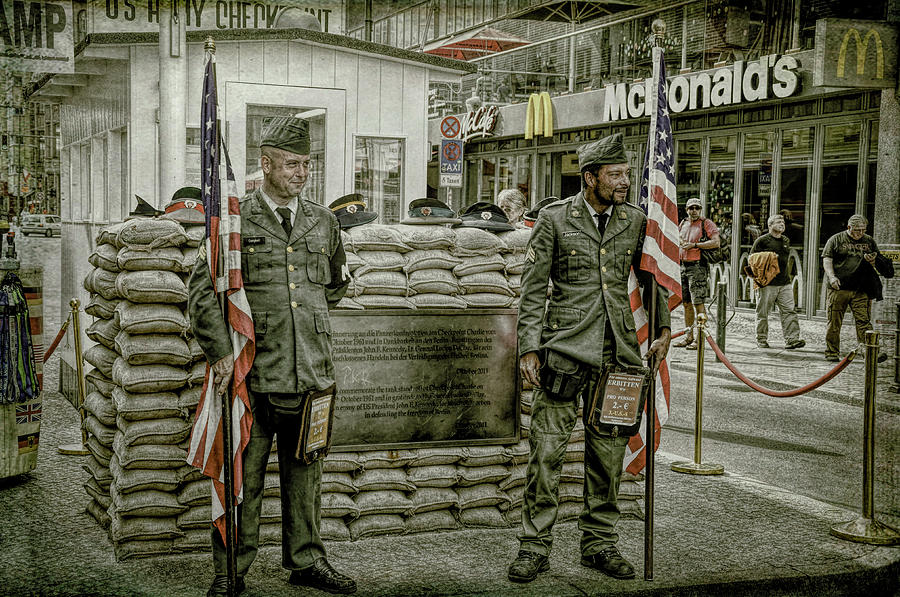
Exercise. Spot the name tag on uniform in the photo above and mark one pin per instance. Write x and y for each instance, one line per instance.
(572, 233)
(253, 241)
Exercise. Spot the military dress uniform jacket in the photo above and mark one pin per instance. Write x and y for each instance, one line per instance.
(290, 284)
(590, 283)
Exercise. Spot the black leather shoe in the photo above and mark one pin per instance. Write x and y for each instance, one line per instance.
(527, 566)
(609, 562)
(220, 586)
(323, 577)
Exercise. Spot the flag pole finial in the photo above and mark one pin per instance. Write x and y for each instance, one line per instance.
(210, 45)
(659, 31)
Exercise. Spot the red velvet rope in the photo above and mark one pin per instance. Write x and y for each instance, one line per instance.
(681, 333)
(780, 393)
(59, 336)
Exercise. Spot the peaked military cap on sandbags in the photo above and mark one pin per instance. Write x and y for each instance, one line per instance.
(350, 211)
(531, 215)
(288, 133)
(430, 211)
(608, 150)
(186, 206)
(486, 216)
(144, 209)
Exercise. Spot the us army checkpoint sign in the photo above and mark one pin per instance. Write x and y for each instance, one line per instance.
(851, 53)
(37, 37)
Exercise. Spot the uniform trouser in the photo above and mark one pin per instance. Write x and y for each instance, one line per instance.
(836, 302)
(551, 425)
(769, 297)
(300, 484)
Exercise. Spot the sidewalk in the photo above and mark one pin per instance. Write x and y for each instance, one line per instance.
(725, 535)
(780, 369)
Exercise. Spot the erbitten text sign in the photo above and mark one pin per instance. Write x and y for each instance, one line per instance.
(424, 378)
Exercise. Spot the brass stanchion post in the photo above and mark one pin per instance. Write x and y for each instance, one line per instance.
(77, 449)
(697, 467)
(866, 529)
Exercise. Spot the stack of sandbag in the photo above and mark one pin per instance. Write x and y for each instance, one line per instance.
(147, 377)
(376, 256)
(516, 246)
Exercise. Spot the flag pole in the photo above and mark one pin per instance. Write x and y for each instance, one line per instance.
(227, 443)
(659, 29)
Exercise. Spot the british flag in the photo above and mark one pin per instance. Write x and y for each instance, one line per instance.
(223, 250)
(28, 413)
(660, 251)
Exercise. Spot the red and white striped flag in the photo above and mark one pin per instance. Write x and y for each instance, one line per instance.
(223, 231)
(660, 251)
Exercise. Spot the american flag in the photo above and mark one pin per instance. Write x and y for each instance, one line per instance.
(660, 251)
(223, 229)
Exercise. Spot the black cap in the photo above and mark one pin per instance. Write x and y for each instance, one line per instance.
(186, 206)
(531, 215)
(288, 133)
(608, 150)
(145, 209)
(486, 216)
(351, 211)
(430, 211)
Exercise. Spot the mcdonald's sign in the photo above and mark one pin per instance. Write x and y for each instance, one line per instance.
(852, 53)
(539, 116)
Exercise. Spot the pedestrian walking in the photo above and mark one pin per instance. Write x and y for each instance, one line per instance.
(293, 268)
(697, 233)
(585, 245)
(778, 291)
(852, 264)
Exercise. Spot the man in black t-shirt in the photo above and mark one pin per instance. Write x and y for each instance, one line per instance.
(778, 291)
(849, 263)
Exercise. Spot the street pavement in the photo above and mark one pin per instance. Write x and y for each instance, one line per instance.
(722, 535)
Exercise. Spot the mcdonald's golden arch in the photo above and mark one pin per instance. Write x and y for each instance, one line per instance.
(852, 53)
(539, 116)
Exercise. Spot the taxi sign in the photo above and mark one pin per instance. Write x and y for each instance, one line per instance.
(451, 163)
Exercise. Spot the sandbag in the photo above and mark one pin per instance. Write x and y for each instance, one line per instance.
(196, 493)
(103, 331)
(103, 409)
(515, 479)
(105, 257)
(148, 456)
(101, 307)
(338, 483)
(132, 480)
(152, 349)
(484, 455)
(195, 235)
(386, 458)
(385, 501)
(354, 262)
(196, 517)
(150, 287)
(109, 235)
(433, 456)
(485, 517)
(516, 240)
(375, 261)
(333, 529)
(124, 528)
(486, 494)
(138, 407)
(136, 319)
(154, 431)
(442, 475)
(189, 398)
(437, 281)
(437, 520)
(479, 264)
(515, 264)
(430, 259)
(475, 241)
(102, 453)
(146, 503)
(140, 259)
(189, 256)
(382, 283)
(515, 283)
(427, 236)
(342, 462)
(348, 303)
(147, 379)
(383, 478)
(125, 550)
(485, 282)
(431, 300)
(384, 301)
(104, 433)
(426, 499)
(338, 505)
(102, 358)
(197, 374)
(99, 495)
(347, 241)
(98, 472)
(469, 475)
(102, 282)
(487, 300)
(377, 237)
(152, 233)
(376, 524)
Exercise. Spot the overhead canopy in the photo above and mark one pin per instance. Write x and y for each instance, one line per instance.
(476, 43)
(574, 11)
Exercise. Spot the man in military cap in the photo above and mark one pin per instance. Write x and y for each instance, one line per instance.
(585, 245)
(293, 267)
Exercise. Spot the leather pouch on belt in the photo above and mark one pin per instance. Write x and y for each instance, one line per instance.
(562, 378)
(316, 418)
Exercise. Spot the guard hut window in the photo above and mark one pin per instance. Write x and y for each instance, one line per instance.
(378, 175)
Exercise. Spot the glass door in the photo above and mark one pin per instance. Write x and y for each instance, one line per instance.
(720, 207)
(756, 191)
(795, 199)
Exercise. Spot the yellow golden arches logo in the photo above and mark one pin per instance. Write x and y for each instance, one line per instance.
(539, 116)
(862, 49)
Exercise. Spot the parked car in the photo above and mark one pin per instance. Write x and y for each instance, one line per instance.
(44, 224)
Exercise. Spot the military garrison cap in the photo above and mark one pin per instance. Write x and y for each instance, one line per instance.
(608, 150)
(288, 133)
(351, 211)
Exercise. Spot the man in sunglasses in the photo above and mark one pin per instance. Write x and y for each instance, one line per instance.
(696, 233)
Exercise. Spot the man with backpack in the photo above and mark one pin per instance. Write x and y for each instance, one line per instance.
(697, 234)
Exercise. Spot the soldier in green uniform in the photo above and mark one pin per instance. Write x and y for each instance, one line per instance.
(585, 246)
(293, 268)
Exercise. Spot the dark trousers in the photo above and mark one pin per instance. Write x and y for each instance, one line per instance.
(300, 484)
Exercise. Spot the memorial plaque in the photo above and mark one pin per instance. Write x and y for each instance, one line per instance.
(416, 378)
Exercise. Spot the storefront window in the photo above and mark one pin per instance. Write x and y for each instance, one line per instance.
(720, 200)
(515, 173)
(635, 155)
(872, 164)
(795, 196)
(378, 176)
(257, 118)
(839, 179)
(689, 156)
(757, 186)
(488, 188)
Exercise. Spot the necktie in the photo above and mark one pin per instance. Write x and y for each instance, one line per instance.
(601, 223)
(285, 214)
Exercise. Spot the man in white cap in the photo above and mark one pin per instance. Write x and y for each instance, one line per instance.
(697, 233)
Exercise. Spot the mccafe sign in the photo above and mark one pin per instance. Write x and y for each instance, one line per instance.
(767, 78)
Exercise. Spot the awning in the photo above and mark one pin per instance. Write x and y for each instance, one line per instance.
(574, 11)
(476, 43)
